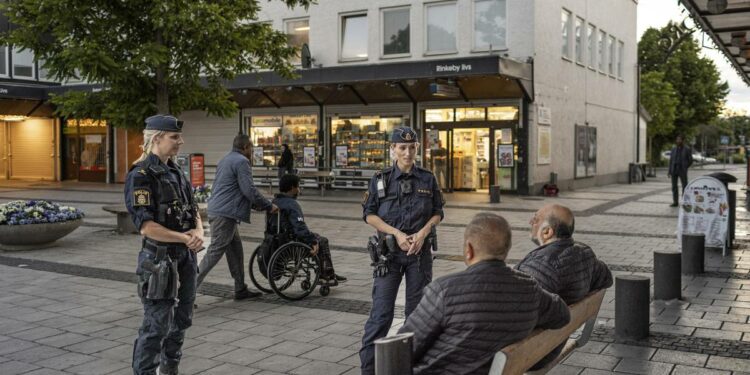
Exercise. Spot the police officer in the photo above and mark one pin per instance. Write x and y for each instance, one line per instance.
(160, 201)
(403, 201)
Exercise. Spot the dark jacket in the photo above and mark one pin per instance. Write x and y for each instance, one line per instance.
(292, 220)
(679, 164)
(567, 268)
(463, 319)
(233, 192)
(286, 161)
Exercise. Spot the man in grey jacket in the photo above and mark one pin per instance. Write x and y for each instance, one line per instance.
(680, 159)
(463, 319)
(233, 195)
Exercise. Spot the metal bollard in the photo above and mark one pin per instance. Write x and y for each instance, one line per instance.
(693, 253)
(393, 354)
(667, 275)
(732, 216)
(632, 304)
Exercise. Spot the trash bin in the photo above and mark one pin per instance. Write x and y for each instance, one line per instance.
(726, 178)
(494, 194)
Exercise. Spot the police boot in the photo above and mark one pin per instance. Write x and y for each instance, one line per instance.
(168, 371)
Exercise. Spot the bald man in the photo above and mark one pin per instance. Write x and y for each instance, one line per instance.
(559, 264)
(463, 319)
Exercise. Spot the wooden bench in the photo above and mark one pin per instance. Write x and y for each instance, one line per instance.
(517, 358)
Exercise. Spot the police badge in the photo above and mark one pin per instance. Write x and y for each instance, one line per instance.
(141, 197)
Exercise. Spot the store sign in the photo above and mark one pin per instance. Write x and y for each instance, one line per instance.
(452, 68)
(545, 116)
(304, 120)
(704, 208)
(265, 121)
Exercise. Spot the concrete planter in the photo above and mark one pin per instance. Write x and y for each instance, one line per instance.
(34, 236)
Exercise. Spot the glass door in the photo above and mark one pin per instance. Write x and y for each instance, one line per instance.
(470, 159)
(437, 155)
(505, 159)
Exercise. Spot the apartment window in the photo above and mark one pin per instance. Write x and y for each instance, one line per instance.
(354, 37)
(23, 63)
(620, 57)
(4, 61)
(490, 24)
(298, 33)
(601, 52)
(565, 32)
(441, 27)
(396, 32)
(579, 39)
(591, 38)
(612, 55)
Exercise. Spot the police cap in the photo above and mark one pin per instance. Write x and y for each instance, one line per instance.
(404, 134)
(166, 123)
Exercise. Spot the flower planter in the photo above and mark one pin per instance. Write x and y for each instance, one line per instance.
(34, 236)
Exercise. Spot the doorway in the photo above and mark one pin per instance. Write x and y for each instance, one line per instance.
(459, 158)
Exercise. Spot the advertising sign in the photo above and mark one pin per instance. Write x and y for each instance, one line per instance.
(197, 175)
(258, 156)
(704, 208)
(505, 156)
(342, 156)
(309, 156)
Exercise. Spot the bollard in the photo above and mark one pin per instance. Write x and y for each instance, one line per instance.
(667, 275)
(632, 306)
(393, 354)
(693, 253)
(494, 194)
(732, 216)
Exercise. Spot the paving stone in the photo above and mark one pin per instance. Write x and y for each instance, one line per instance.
(302, 335)
(687, 370)
(588, 360)
(243, 356)
(230, 369)
(329, 354)
(594, 347)
(118, 353)
(209, 350)
(280, 363)
(46, 371)
(736, 327)
(717, 334)
(637, 366)
(87, 327)
(197, 365)
(319, 367)
(628, 351)
(677, 330)
(291, 348)
(699, 323)
(16, 367)
(115, 333)
(725, 363)
(66, 360)
(257, 342)
(35, 354)
(63, 340)
(679, 357)
(223, 337)
(14, 345)
(36, 333)
(92, 346)
(565, 370)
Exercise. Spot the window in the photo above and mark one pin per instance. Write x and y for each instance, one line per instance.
(4, 61)
(586, 148)
(601, 52)
(441, 27)
(23, 63)
(565, 32)
(579, 39)
(354, 37)
(489, 25)
(591, 38)
(396, 32)
(612, 55)
(43, 73)
(620, 57)
(298, 33)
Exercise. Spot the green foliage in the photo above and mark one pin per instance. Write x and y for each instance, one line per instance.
(660, 100)
(149, 55)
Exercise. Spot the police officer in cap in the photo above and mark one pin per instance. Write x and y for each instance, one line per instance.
(160, 201)
(404, 201)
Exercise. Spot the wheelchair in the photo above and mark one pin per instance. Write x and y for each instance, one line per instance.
(285, 267)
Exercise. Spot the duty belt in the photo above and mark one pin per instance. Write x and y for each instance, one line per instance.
(152, 247)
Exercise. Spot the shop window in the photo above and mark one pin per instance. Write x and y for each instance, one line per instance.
(438, 115)
(490, 24)
(441, 28)
(23, 63)
(578, 35)
(86, 147)
(502, 113)
(4, 61)
(396, 32)
(565, 33)
(591, 39)
(298, 33)
(620, 57)
(601, 52)
(363, 143)
(265, 132)
(586, 149)
(470, 114)
(301, 134)
(612, 55)
(354, 37)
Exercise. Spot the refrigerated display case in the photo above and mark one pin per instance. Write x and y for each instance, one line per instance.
(300, 132)
(365, 139)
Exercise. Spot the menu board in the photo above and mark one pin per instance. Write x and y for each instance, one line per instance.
(704, 208)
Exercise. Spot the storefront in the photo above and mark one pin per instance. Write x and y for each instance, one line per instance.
(472, 148)
(298, 131)
(28, 148)
(85, 150)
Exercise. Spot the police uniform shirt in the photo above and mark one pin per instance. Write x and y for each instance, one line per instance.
(142, 190)
(411, 199)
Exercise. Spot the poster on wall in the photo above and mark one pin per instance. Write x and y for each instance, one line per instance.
(258, 156)
(342, 156)
(309, 160)
(505, 156)
(704, 208)
(544, 148)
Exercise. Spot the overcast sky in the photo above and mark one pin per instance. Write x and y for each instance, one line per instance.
(656, 13)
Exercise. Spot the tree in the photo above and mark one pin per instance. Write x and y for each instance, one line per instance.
(150, 56)
(660, 100)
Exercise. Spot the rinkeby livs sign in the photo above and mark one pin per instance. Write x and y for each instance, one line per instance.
(704, 208)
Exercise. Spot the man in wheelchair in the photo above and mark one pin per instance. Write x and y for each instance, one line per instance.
(294, 228)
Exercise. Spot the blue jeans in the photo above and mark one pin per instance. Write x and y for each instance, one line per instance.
(418, 272)
(165, 320)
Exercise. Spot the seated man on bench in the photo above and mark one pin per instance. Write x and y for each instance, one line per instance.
(293, 222)
(560, 265)
(463, 319)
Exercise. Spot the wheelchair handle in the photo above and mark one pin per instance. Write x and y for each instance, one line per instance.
(278, 222)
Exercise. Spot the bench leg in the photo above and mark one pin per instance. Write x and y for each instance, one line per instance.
(588, 328)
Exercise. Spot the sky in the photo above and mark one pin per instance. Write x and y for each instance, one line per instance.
(657, 13)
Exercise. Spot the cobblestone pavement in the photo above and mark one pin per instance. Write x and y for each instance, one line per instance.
(72, 309)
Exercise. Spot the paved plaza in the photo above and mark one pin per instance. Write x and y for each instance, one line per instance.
(73, 309)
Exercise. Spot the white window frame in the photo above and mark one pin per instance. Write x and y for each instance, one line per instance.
(341, 18)
(425, 33)
(381, 33)
(474, 48)
(578, 40)
(13, 68)
(601, 51)
(620, 58)
(591, 45)
(286, 21)
(7, 65)
(568, 27)
(612, 55)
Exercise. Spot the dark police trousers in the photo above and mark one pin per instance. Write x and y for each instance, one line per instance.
(418, 272)
(165, 321)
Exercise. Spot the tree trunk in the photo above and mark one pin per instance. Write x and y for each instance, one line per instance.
(162, 90)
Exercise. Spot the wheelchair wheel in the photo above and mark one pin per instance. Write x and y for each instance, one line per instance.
(292, 272)
(256, 276)
(325, 290)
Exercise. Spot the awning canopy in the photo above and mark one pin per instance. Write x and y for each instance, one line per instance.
(24, 101)
(727, 22)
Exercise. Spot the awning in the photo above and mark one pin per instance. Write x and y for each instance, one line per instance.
(727, 22)
(24, 101)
